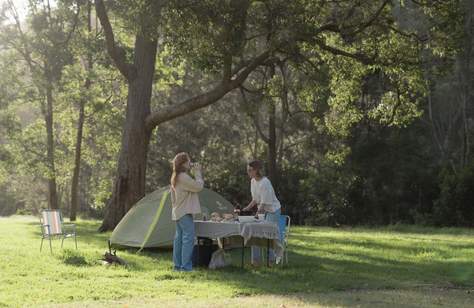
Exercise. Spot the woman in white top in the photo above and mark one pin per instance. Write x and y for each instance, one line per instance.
(185, 203)
(264, 198)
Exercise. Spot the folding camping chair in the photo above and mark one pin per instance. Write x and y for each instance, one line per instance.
(52, 225)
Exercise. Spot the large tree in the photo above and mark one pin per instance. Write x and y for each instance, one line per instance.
(129, 185)
(229, 40)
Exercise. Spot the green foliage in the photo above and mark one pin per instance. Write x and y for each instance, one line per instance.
(355, 133)
(8, 202)
(22, 94)
(104, 113)
(141, 16)
(454, 206)
(206, 32)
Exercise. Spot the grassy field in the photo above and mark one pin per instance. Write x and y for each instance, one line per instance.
(389, 267)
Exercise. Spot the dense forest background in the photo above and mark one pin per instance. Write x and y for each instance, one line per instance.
(345, 140)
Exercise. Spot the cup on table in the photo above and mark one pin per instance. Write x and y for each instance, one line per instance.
(261, 217)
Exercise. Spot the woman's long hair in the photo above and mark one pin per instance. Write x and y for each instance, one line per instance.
(178, 161)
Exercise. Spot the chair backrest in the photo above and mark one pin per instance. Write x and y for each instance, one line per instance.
(284, 226)
(53, 219)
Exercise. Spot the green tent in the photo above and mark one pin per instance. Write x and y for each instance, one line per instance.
(149, 224)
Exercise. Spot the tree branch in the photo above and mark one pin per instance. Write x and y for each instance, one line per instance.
(173, 111)
(252, 66)
(336, 51)
(227, 69)
(74, 26)
(372, 20)
(254, 118)
(26, 52)
(116, 52)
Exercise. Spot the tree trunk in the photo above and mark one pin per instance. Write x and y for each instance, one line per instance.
(272, 139)
(80, 125)
(52, 191)
(77, 159)
(466, 80)
(272, 145)
(129, 185)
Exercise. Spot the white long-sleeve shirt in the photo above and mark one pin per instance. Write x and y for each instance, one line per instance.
(264, 195)
(184, 197)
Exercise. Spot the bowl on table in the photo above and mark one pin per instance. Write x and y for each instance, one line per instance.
(246, 219)
(261, 217)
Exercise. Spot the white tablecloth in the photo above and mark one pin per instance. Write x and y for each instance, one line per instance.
(253, 233)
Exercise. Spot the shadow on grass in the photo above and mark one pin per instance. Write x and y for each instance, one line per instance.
(310, 268)
(401, 229)
(319, 274)
(418, 246)
(346, 271)
(88, 238)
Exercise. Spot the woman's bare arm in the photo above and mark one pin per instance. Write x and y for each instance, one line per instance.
(251, 205)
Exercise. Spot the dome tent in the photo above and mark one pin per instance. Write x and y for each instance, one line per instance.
(148, 223)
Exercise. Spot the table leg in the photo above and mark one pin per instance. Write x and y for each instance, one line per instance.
(268, 252)
(198, 261)
(243, 251)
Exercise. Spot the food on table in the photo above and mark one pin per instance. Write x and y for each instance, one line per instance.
(228, 216)
(216, 217)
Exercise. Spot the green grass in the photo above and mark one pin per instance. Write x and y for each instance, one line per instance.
(328, 267)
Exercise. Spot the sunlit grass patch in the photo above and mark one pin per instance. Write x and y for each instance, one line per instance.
(321, 260)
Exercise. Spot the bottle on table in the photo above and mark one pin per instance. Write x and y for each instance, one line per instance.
(236, 212)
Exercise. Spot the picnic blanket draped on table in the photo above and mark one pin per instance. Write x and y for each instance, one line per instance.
(253, 233)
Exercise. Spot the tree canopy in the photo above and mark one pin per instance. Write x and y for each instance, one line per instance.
(362, 110)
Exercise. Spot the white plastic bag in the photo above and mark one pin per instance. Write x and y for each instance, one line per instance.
(219, 259)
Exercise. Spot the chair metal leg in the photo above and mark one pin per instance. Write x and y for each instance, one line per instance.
(41, 247)
(50, 245)
(62, 241)
(75, 240)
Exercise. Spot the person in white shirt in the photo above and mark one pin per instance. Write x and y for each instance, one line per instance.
(264, 198)
(185, 203)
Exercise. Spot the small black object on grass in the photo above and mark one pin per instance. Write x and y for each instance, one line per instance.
(110, 257)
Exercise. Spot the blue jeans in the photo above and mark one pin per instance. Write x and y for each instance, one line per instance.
(184, 243)
(256, 257)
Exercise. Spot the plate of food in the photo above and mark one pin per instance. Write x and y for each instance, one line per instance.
(216, 217)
